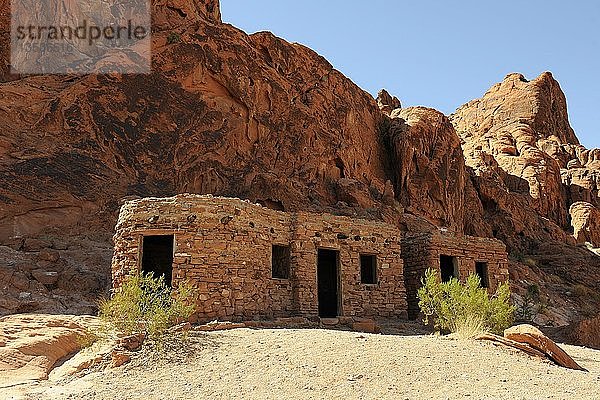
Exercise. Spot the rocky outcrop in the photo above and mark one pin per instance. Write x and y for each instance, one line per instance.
(535, 338)
(519, 134)
(386, 102)
(529, 175)
(587, 333)
(171, 14)
(428, 166)
(585, 219)
(31, 345)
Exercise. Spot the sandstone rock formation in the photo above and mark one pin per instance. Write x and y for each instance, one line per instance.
(530, 176)
(30, 345)
(386, 102)
(585, 219)
(519, 133)
(536, 339)
(587, 333)
(428, 166)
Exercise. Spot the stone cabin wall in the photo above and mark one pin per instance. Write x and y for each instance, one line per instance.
(223, 247)
(423, 251)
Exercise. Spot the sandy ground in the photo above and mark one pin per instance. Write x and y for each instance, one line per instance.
(325, 364)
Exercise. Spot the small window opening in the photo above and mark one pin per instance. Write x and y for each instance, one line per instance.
(368, 269)
(157, 256)
(340, 165)
(481, 269)
(448, 268)
(280, 262)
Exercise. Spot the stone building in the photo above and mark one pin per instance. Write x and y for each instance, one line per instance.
(249, 262)
(453, 257)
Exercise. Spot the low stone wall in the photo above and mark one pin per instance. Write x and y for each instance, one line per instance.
(422, 251)
(223, 247)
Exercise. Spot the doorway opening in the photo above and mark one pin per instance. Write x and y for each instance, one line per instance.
(448, 268)
(157, 256)
(328, 283)
(481, 269)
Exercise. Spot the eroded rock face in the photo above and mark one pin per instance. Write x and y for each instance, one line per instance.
(386, 102)
(585, 219)
(587, 333)
(31, 345)
(224, 113)
(428, 165)
(519, 133)
(529, 172)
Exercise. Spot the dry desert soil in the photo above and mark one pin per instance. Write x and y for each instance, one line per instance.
(327, 364)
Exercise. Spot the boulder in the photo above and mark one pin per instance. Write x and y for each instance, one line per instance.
(535, 338)
(587, 333)
(31, 345)
(366, 326)
(47, 278)
(585, 219)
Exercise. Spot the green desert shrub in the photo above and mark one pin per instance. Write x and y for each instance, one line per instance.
(173, 37)
(464, 308)
(530, 304)
(145, 304)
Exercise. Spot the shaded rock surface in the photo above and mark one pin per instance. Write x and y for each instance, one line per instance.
(428, 166)
(587, 333)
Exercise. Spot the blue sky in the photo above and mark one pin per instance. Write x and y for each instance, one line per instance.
(442, 54)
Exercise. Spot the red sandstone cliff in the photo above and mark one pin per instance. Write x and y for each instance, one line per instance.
(223, 112)
(256, 117)
(536, 186)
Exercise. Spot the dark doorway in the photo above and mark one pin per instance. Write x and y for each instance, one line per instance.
(481, 269)
(158, 256)
(327, 281)
(448, 268)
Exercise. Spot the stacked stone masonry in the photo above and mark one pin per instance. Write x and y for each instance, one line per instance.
(222, 246)
(423, 251)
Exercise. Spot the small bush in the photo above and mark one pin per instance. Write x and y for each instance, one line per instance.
(173, 37)
(453, 306)
(147, 305)
(88, 338)
(523, 259)
(530, 304)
